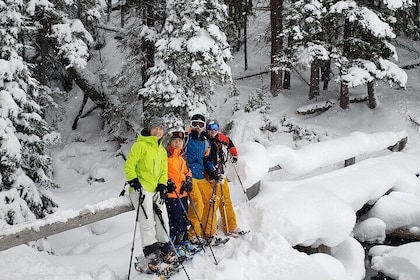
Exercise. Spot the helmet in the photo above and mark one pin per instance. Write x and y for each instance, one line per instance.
(212, 124)
(177, 132)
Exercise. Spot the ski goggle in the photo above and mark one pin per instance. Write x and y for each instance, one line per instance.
(197, 124)
(213, 126)
(177, 134)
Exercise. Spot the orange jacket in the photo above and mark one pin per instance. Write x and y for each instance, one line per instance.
(177, 171)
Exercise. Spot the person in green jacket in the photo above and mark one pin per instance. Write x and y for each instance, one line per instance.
(146, 170)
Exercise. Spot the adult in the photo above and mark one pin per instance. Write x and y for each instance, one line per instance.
(146, 170)
(204, 198)
(221, 146)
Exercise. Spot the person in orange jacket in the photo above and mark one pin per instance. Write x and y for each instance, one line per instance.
(218, 141)
(179, 177)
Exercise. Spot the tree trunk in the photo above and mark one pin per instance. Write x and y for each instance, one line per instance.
(325, 73)
(43, 51)
(287, 74)
(371, 95)
(245, 41)
(344, 89)
(122, 9)
(314, 83)
(344, 96)
(109, 10)
(91, 86)
(276, 43)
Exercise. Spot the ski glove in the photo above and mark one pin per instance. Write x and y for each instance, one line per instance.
(135, 184)
(234, 160)
(170, 186)
(187, 185)
(216, 176)
(163, 190)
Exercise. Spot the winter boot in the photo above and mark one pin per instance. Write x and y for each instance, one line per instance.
(168, 255)
(190, 248)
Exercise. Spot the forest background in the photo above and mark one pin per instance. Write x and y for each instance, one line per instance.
(177, 53)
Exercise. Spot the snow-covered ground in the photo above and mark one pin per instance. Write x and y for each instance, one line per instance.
(311, 201)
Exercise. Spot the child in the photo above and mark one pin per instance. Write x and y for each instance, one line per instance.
(179, 175)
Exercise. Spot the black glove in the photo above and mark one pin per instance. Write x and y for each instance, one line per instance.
(187, 185)
(135, 184)
(170, 186)
(163, 190)
(234, 159)
(216, 176)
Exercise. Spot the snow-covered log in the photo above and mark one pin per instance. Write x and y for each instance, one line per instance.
(62, 220)
(316, 107)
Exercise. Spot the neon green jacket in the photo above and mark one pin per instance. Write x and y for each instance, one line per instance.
(148, 161)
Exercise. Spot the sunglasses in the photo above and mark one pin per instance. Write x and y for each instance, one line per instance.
(213, 126)
(178, 134)
(199, 124)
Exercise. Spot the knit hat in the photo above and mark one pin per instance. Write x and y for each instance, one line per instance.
(198, 117)
(155, 122)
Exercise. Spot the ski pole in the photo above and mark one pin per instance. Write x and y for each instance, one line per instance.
(224, 207)
(213, 203)
(240, 181)
(186, 216)
(141, 198)
(201, 225)
(159, 214)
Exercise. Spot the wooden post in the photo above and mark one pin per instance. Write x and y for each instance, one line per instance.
(349, 161)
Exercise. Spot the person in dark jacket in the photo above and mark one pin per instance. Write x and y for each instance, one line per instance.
(203, 198)
(222, 147)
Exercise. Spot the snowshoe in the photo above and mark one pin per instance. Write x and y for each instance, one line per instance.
(236, 234)
(197, 241)
(216, 241)
(190, 248)
(162, 269)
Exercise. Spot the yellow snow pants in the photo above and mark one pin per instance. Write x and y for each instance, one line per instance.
(202, 208)
(226, 209)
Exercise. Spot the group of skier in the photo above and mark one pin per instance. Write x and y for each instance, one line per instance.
(177, 191)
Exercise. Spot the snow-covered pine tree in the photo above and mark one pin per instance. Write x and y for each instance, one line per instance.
(190, 59)
(80, 18)
(308, 43)
(25, 168)
(367, 50)
(402, 15)
(138, 45)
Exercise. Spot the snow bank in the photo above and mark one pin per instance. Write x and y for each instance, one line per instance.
(251, 167)
(397, 210)
(399, 263)
(327, 152)
(321, 209)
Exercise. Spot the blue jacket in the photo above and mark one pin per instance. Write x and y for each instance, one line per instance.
(198, 155)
